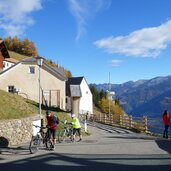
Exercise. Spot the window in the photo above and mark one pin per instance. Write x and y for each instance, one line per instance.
(11, 89)
(31, 70)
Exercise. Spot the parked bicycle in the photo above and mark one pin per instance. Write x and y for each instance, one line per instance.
(40, 138)
(66, 132)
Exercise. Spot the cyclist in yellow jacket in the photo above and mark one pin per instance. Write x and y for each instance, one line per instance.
(76, 127)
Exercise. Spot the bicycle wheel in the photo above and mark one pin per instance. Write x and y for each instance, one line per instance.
(34, 144)
(62, 135)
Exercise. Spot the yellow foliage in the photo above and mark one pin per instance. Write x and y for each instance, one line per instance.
(104, 104)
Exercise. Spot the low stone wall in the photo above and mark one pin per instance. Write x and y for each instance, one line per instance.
(18, 131)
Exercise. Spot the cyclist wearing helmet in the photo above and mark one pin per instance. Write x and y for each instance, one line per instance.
(76, 127)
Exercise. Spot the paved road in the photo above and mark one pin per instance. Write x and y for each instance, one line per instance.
(106, 149)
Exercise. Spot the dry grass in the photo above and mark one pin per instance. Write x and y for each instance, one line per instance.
(14, 106)
(17, 56)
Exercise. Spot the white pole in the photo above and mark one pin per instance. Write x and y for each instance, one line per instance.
(39, 93)
(39, 63)
(109, 95)
(85, 126)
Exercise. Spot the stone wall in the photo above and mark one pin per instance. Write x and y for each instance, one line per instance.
(18, 131)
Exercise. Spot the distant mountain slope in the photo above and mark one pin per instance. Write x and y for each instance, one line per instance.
(143, 97)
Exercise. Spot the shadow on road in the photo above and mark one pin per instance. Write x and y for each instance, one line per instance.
(67, 162)
(164, 145)
(21, 150)
(133, 137)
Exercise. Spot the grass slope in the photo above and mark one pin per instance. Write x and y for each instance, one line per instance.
(14, 106)
(16, 56)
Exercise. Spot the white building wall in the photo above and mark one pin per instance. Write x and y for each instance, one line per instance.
(86, 101)
(7, 65)
(28, 85)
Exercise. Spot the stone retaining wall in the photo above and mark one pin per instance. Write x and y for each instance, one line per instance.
(18, 131)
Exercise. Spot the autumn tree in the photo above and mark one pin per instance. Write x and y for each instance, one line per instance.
(28, 48)
(114, 107)
(16, 45)
(68, 74)
(25, 47)
(9, 43)
(104, 105)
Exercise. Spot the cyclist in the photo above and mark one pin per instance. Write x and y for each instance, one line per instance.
(52, 127)
(76, 127)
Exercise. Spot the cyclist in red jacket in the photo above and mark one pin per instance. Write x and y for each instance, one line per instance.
(52, 126)
(166, 122)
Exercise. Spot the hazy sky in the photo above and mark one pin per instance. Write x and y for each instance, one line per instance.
(128, 38)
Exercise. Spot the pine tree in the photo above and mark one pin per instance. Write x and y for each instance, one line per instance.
(95, 94)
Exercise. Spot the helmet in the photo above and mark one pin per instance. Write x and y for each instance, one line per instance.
(73, 115)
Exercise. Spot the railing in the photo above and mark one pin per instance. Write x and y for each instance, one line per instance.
(142, 124)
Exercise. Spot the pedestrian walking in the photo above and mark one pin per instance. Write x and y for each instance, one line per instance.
(166, 122)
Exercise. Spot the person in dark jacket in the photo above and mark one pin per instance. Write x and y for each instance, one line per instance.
(166, 122)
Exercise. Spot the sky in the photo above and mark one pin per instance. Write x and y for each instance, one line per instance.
(103, 40)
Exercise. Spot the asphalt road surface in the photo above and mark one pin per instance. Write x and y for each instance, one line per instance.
(107, 149)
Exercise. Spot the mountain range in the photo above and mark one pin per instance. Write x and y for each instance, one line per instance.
(143, 97)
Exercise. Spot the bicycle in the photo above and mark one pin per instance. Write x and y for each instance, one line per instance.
(67, 131)
(37, 139)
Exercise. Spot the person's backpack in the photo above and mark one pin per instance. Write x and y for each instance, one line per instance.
(55, 119)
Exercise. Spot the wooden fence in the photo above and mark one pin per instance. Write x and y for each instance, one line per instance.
(142, 124)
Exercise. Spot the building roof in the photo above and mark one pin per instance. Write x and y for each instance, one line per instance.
(73, 86)
(12, 60)
(53, 70)
(33, 61)
(75, 80)
(3, 49)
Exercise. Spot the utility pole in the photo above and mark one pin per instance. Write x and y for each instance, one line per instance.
(40, 63)
(109, 95)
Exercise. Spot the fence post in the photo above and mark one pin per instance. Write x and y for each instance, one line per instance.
(105, 118)
(145, 124)
(120, 120)
(130, 121)
(112, 119)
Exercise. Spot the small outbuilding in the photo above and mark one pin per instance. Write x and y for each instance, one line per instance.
(79, 99)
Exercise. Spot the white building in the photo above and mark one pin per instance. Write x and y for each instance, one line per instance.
(22, 78)
(8, 62)
(111, 95)
(79, 98)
